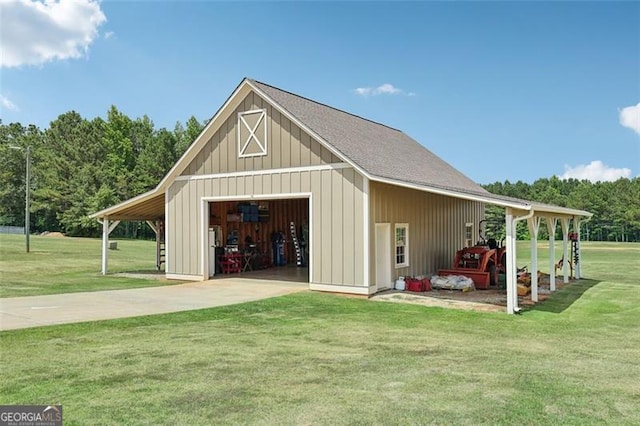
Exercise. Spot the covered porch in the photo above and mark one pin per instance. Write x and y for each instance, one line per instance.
(148, 207)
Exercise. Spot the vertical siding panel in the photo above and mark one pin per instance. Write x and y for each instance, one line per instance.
(172, 230)
(358, 230)
(326, 155)
(295, 182)
(305, 182)
(215, 157)
(275, 184)
(257, 184)
(266, 160)
(179, 231)
(285, 139)
(326, 226)
(232, 149)
(316, 189)
(337, 234)
(223, 163)
(266, 184)
(316, 153)
(213, 152)
(286, 183)
(233, 186)
(295, 146)
(349, 226)
(305, 149)
(275, 139)
(224, 187)
(192, 230)
(241, 185)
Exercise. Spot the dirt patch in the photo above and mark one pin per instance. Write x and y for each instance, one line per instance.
(52, 234)
(489, 300)
(432, 299)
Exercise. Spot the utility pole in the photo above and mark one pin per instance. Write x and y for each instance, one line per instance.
(27, 197)
(27, 191)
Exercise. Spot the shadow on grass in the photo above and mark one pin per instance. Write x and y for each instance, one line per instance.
(563, 298)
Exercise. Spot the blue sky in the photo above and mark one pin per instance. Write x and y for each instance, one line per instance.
(500, 90)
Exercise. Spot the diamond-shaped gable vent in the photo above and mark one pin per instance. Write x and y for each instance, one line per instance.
(252, 133)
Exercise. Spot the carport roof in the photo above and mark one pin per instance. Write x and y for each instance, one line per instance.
(147, 206)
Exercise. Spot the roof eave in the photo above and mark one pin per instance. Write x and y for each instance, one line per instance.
(131, 202)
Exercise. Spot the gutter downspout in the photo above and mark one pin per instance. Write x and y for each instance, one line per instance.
(512, 286)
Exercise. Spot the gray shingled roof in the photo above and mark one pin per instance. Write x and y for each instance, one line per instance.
(378, 149)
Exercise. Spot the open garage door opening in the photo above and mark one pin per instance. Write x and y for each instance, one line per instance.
(260, 239)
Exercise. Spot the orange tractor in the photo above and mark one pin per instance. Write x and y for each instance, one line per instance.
(481, 262)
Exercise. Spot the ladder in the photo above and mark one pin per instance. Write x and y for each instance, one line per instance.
(160, 249)
(296, 245)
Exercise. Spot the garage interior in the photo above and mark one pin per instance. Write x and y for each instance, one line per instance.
(260, 239)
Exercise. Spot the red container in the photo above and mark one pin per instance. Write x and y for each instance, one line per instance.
(414, 284)
(426, 284)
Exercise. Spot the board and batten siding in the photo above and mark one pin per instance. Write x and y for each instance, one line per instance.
(436, 226)
(337, 252)
(287, 145)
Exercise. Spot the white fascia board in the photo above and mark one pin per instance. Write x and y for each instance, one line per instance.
(265, 197)
(560, 211)
(333, 166)
(128, 203)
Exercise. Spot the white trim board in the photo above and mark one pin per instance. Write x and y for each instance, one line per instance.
(333, 166)
(183, 277)
(349, 289)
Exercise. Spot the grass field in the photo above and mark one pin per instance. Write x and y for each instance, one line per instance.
(313, 358)
(65, 265)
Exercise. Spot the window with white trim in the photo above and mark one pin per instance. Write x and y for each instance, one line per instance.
(252, 133)
(468, 234)
(402, 244)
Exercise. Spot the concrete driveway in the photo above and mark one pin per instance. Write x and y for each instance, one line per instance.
(36, 311)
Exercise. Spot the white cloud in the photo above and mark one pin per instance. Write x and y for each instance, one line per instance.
(630, 117)
(595, 171)
(7, 104)
(108, 35)
(36, 32)
(383, 89)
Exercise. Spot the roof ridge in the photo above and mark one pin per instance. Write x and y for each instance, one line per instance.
(325, 105)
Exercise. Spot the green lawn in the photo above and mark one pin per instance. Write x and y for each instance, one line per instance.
(313, 358)
(65, 265)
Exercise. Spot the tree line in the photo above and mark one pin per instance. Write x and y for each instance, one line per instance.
(615, 205)
(80, 166)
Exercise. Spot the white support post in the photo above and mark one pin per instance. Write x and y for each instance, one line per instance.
(552, 223)
(564, 222)
(106, 231)
(534, 226)
(105, 244)
(512, 290)
(576, 266)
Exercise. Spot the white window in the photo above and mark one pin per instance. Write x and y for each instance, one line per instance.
(468, 234)
(252, 133)
(402, 244)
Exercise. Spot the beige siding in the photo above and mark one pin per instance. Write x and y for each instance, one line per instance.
(337, 254)
(436, 226)
(287, 145)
